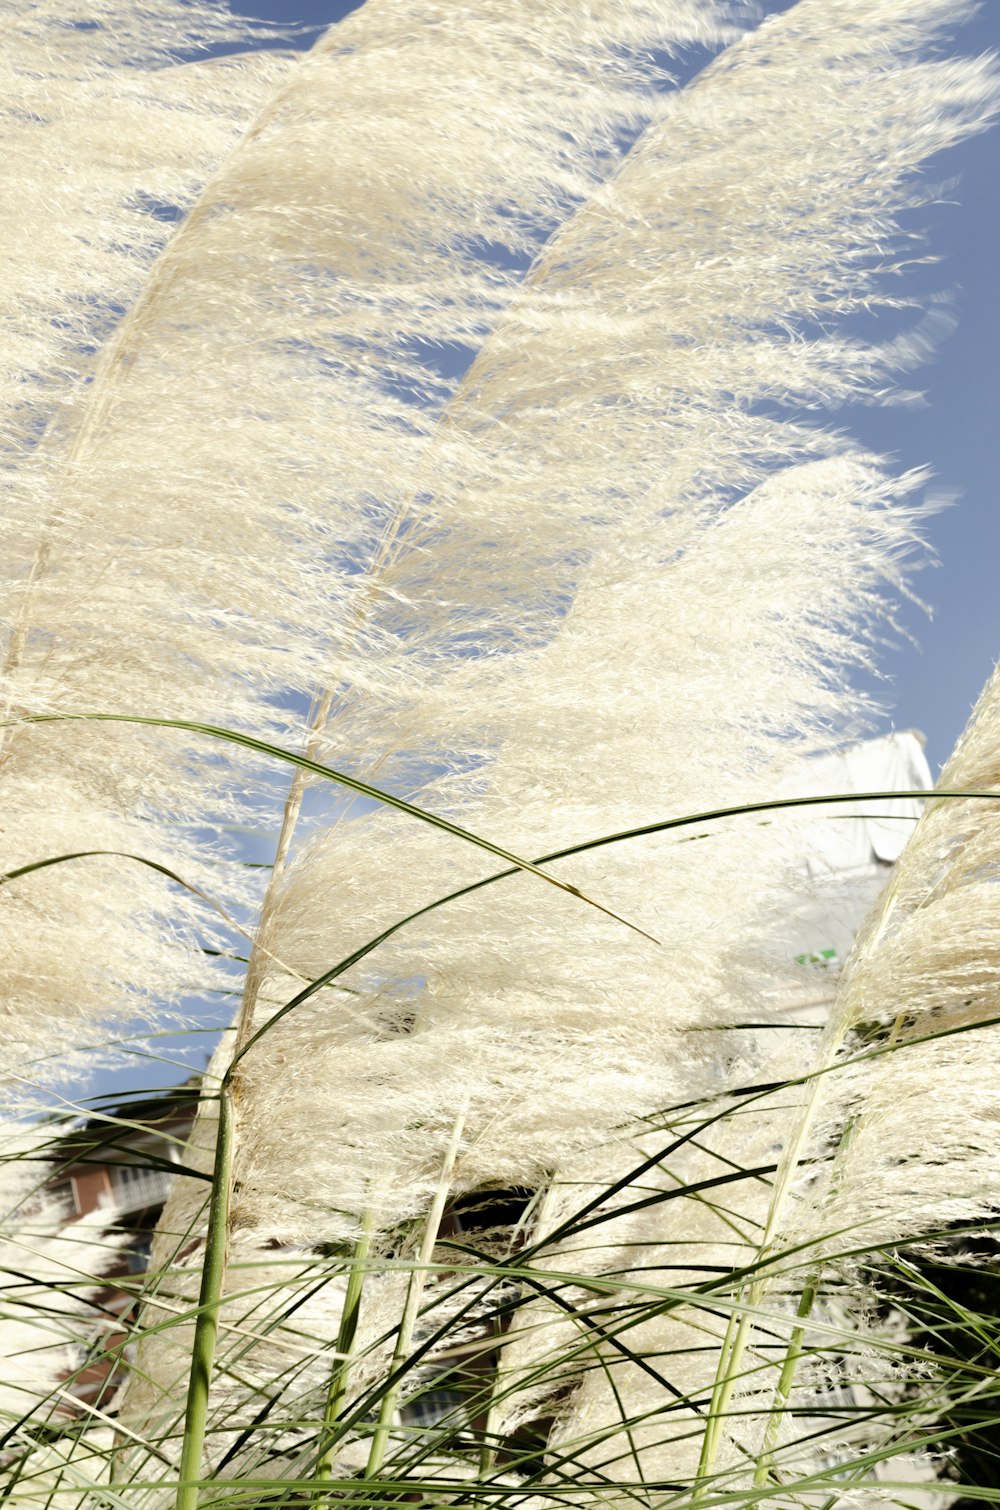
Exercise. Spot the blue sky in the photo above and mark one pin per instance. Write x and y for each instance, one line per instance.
(957, 435)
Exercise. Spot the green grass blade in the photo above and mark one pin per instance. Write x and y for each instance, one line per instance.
(340, 778)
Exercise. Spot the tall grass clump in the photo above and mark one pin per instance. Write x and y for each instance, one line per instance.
(415, 465)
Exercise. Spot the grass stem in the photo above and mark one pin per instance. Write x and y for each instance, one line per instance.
(209, 1301)
(414, 1291)
(340, 1378)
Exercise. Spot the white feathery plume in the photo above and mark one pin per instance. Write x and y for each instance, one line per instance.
(630, 374)
(897, 1148)
(176, 519)
(687, 652)
(486, 990)
(618, 405)
(923, 979)
(327, 357)
(107, 140)
(465, 593)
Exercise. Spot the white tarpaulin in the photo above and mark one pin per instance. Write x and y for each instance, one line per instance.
(848, 850)
(857, 834)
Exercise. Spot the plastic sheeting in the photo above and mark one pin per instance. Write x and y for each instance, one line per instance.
(853, 836)
(849, 849)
